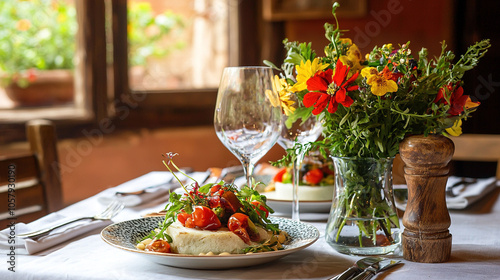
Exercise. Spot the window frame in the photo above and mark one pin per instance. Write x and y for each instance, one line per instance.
(106, 87)
(176, 107)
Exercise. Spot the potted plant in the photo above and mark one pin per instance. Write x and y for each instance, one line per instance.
(37, 47)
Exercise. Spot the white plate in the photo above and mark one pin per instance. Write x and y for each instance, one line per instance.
(124, 235)
(285, 206)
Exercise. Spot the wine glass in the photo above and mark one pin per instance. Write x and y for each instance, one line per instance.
(301, 132)
(247, 116)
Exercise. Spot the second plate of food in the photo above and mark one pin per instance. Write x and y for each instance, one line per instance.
(311, 199)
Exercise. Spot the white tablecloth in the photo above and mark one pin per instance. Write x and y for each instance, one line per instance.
(475, 254)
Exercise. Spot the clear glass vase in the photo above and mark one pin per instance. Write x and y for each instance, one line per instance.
(363, 219)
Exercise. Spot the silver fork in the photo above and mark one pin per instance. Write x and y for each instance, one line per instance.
(111, 210)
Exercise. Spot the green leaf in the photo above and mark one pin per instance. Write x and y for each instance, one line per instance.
(270, 64)
(205, 188)
(344, 119)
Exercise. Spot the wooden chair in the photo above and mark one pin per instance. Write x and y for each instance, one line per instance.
(30, 183)
(478, 147)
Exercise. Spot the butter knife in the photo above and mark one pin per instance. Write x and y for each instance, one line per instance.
(375, 268)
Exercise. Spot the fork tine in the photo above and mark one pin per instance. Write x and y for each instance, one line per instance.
(113, 208)
(119, 207)
(108, 208)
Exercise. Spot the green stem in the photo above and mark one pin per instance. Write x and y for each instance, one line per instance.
(360, 237)
(387, 234)
(410, 115)
(177, 178)
(348, 213)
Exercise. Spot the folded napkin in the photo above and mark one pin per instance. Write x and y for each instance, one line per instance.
(464, 197)
(55, 237)
(471, 192)
(158, 184)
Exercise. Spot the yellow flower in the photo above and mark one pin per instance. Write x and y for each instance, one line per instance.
(380, 82)
(354, 54)
(345, 41)
(305, 71)
(273, 97)
(387, 46)
(456, 129)
(369, 71)
(352, 58)
(285, 95)
(381, 86)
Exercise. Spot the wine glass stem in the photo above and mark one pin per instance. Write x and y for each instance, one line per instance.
(248, 169)
(295, 187)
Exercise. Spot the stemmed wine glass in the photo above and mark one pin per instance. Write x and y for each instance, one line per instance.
(247, 114)
(302, 132)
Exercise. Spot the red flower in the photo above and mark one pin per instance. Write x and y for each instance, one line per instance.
(328, 89)
(457, 98)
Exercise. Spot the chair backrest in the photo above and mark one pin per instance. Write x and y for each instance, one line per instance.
(30, 183)
(478, 147)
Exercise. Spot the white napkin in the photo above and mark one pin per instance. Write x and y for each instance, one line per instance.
(55, 237)
(467, 196)
(161, 179)
(163, 182)
(471, 193)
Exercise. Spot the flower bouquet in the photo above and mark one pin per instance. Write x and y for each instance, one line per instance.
(367, 105)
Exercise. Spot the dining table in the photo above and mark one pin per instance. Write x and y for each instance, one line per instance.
(475, 248)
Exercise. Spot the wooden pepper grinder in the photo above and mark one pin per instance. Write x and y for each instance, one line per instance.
(426, 219)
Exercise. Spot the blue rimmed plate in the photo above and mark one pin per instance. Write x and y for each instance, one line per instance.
(124, 235)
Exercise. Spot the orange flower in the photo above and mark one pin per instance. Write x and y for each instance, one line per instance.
(469, 104)
(23, 25)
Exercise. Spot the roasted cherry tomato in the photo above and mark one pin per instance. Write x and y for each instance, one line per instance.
(182, 217)
(313, 177)
(279, 176)
(204, 218)
(230, 201)
(241, 225)
(189, 222)
(216, 190)
(258, 205)
(214, 201)
(160, 246)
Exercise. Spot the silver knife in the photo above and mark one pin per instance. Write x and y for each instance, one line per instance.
(170, 184)
(231, 173)
(357, 268)
(375, 268)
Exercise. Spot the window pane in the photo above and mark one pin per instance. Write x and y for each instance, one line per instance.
(177, 44)
(37, 53)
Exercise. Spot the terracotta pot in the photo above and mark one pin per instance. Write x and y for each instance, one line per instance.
(51, 87)
(426, 219)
